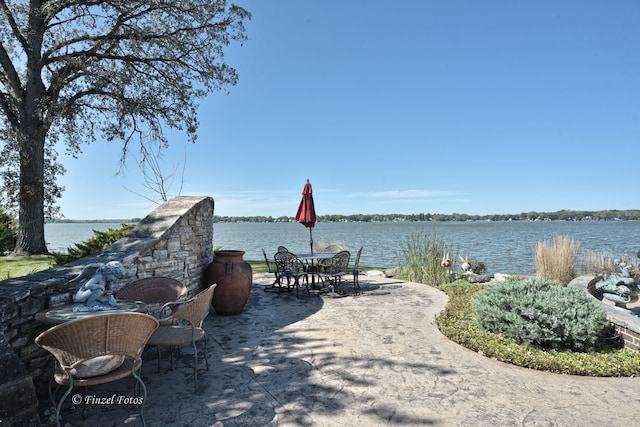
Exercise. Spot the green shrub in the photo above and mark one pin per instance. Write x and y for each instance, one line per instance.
(477, 267)
(8, 233)
(424, 257)
(100, 241)
(460, 284)
(540, 313)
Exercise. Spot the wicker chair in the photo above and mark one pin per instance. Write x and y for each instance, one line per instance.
(97, 350)
(153, 291)
(184, 326)
(333, 271)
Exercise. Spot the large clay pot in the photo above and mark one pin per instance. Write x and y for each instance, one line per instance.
(234, 278)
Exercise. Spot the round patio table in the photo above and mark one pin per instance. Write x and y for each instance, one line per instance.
(312, 269)
(65, 313)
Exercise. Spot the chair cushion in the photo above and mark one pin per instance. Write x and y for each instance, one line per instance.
(99, 365)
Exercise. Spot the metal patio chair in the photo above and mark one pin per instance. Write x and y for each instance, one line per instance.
(272, 268)
(289, 266)
(333, 270)
(355, 270)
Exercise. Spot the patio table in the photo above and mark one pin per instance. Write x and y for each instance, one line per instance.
(311, 257)
(65, 313)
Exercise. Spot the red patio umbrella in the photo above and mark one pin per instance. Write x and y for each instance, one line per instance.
(307, 212)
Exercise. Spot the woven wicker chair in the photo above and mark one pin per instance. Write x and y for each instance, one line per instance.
(97, 350)
(184, 326)
(153, 291)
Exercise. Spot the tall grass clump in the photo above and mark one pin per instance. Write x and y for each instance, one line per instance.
(424, 256)
(557, 259)
(599, 263)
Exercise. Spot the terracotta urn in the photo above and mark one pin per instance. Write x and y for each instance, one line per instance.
(234, 277)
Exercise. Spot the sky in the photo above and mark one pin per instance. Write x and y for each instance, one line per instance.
(411, 106)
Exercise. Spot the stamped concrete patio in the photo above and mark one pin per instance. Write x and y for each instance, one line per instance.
(368, 360)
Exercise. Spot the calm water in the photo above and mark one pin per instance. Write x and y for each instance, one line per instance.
(503, 246)
(60, 236)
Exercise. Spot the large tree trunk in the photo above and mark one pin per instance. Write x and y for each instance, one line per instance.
(31, 134)
(31, 203)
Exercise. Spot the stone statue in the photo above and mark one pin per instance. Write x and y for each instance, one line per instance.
(621, 289)
(95, 292)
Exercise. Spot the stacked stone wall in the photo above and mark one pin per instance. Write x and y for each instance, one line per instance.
(175, 240)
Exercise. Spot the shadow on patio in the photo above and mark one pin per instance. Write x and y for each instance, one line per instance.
(276, 363)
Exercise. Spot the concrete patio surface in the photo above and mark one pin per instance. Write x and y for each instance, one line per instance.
(376, 359)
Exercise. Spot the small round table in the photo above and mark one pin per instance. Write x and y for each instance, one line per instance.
(65, 313)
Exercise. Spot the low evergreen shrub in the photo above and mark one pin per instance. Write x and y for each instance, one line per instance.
(100, 241)
(540, 313)
(459, 284)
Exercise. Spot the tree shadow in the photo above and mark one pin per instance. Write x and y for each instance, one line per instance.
(264, 369)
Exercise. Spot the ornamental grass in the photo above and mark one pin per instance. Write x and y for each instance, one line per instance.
(557, 259)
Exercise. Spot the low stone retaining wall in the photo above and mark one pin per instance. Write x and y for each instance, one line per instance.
(627, 326)
(175, 240)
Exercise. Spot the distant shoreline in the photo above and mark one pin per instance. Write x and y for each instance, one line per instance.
(93, 221)
(562, 215)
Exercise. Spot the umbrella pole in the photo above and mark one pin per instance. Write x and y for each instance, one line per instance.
(311, 239)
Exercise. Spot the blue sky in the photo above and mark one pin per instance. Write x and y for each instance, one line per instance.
(478, 107)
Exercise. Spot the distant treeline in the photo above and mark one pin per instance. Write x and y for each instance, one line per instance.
(94, 221)
(563, 215)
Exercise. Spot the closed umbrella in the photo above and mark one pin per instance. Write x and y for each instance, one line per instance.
(307, 212)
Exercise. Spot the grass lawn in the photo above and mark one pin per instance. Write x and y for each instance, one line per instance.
(17, 267)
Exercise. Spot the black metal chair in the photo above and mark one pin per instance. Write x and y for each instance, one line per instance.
(289, 266)
(355, 270)
(334, 269)
(272, 268)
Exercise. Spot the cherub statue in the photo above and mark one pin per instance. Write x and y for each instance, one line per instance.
(94, 294)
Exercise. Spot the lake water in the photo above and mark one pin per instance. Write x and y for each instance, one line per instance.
(506, 247)
(60, 236)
